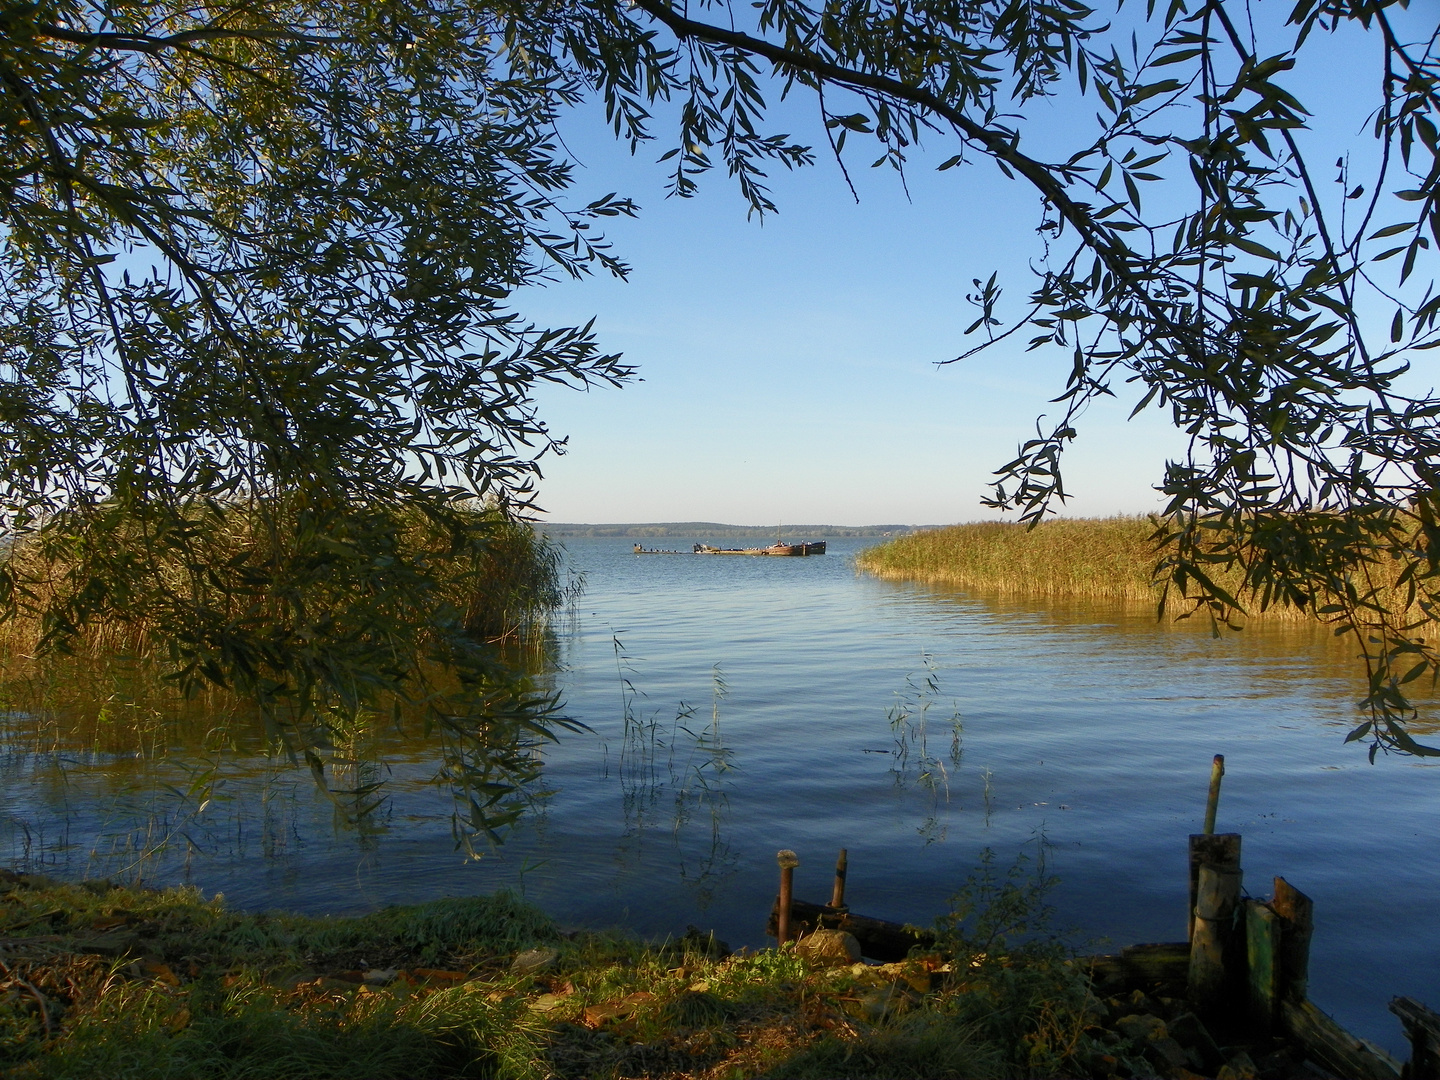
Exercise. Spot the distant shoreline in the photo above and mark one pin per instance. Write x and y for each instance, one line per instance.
(697, 529)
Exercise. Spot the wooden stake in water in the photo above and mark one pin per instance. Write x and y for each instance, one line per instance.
(1217, 770)
(788, 860)
(1298, 914)
(1222, 849)
(837, 898)
(1262, 953)
(1217, 896)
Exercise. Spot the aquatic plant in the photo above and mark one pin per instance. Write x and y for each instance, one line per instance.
(1089, 558)
(679, 757)
(911, 761)
(1123, 559)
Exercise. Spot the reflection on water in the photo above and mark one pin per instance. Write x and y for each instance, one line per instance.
(142, 782)
(739, 706)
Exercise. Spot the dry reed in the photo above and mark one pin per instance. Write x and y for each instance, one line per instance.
(1108, 559)
(504, 588)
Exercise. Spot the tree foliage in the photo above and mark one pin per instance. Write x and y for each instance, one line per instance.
(257, 368)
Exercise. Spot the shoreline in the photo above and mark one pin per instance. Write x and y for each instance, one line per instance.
(103, 980)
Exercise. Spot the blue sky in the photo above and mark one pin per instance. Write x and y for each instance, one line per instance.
(789, 367)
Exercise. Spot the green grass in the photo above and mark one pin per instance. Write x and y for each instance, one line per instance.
(208, 992)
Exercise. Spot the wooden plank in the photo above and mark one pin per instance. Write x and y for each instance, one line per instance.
(1220, 849)
(1422, 1026)
(1331, 1046)
(1165, 961)
(1103, 970)
(1262, 942)
(1297, 914)
(1139, 966)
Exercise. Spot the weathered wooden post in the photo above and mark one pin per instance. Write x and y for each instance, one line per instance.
(1422, 1026)
(1222, 849)
(1263, 964)
(1212, 804)
(1297, 914)
(1215, 959)
(837, 898)
(1216, 898)
(788, 860)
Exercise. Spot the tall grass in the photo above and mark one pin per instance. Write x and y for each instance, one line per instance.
(113, 676)
(503, 587)
(213, 993)
(1109, 559)
(1100, 558)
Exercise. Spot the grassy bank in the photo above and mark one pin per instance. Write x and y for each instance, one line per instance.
(116, 982)
(1106, 559)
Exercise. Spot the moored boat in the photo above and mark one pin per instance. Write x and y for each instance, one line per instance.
(807, 547)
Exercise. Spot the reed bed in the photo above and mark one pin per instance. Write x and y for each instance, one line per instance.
(1108, 558)
(312, 631)
(504, 588)
(504, 592)
(1105, 559)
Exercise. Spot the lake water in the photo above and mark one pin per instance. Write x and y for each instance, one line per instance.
(738, 706)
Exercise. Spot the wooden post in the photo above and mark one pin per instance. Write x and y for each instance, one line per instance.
(1217, 770)
(1216, 898)
(837, 898)
(788, 860)
(1297, 914)
(1222, 849)
(1262, 954)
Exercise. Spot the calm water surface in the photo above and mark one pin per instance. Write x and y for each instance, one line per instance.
(738, 706)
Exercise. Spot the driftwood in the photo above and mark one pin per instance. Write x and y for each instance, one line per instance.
(879, 939)
(1331, 1046)
(1422, 1025)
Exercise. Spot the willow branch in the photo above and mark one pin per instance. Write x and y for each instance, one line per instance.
(1000, 146)
(153, 44)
